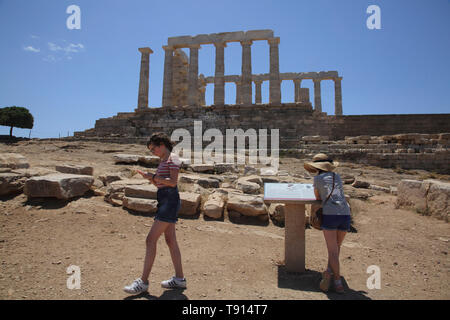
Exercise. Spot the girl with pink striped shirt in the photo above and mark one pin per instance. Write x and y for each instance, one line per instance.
(165, 179)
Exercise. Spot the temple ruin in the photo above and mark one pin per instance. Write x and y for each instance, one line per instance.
(183, 102)
(183, 86)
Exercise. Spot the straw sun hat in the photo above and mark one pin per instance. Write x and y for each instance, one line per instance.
(321, 161)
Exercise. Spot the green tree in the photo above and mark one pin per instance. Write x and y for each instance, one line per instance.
(18, 117)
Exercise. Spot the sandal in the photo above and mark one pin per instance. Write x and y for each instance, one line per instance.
(325, 282)
(338, 286)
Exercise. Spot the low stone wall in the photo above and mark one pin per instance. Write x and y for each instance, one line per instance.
(406, 151)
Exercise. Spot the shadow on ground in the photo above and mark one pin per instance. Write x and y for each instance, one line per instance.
(309, 281)
(172, 294)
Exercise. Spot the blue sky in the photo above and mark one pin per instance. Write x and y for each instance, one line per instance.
(70, 78)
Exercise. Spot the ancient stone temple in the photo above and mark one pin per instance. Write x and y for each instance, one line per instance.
(183, 99)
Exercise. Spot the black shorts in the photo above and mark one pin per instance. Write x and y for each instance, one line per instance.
(169, 204)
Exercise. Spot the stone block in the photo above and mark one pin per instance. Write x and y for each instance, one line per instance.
(58, 185)
(412, 194)
(247, 205)
(190, 203)
(13, 161)
(75, 169)
(258, 34)
(438, 198)
(214, 206)
(11, 183)
(140, 204)
(144, 191)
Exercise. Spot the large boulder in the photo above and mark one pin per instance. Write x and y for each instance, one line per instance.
(11, 183)
(276, 213)
(58, 185)
(215, 205)
(126, 158)
(247, 205)
(190, 203)
(116, 190)
(13, 161)
(145, 191)
(75, 169)
(411, 194)
(207, 168)
(140, 204)
(438, 198)
(430, 197)
(247, 186)
(208, 182)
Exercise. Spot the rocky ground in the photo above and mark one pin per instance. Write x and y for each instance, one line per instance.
(40, 239)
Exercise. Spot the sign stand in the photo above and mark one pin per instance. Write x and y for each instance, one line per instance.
(294, 196)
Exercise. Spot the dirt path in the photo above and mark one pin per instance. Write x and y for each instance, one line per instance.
(221, 260)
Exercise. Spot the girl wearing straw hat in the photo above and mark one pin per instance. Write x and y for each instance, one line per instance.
(336, 215)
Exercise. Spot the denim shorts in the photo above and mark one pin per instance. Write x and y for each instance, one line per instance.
(169, 204)
(336, 222)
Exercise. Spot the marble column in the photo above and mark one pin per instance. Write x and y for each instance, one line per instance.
(238, 92)
(275, 83)
(317, 96)
(168, 76)
(258, 97)
(297, 90)
(219, 81)
(193, 75)
(202, 95)
(337, 96)
(246, 79)
(143, 78)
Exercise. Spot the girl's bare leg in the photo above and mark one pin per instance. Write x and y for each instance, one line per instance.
(157, 229)
(175, 253)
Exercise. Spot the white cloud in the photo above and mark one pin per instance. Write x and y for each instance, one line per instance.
(31, 49)
(67, 48)
(74, 47)
(34, 36)
(54, 47)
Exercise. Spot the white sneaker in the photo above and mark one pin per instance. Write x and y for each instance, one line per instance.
(138, 286)
(174, 283)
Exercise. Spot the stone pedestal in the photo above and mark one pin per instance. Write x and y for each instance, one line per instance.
(294, 232)
(168, 77)
(246, 79)
(294, 239)
(219, 81)
(143, 79)
(275, 83)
